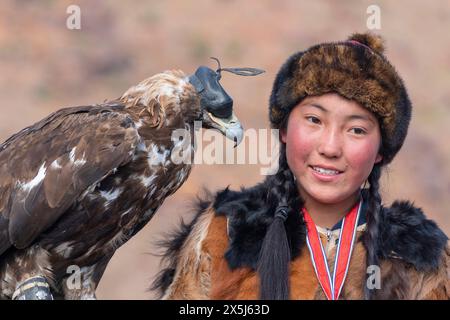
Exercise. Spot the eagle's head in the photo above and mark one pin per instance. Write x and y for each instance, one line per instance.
(216, 105)
(170, 98)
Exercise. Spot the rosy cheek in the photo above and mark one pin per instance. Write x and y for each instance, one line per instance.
(361, 157)
(299, 145)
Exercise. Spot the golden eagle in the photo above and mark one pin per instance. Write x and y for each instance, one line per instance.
(78, 184)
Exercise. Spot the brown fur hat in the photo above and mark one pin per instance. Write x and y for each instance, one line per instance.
(355, 69)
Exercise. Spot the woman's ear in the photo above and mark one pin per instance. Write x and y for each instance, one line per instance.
(378, 158)
(283, 134)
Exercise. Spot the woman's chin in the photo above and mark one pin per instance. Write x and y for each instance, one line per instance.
(328, 195)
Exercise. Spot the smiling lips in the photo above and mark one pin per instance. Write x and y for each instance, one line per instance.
(326, 171)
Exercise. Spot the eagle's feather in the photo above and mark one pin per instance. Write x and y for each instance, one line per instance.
(64, 154)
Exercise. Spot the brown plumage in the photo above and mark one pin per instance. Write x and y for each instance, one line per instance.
(81, 182)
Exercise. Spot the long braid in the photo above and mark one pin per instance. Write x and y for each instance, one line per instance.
(275, 255)
(282, 185)
(373, 220)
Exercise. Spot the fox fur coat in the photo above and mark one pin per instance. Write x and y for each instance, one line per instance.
(215, 255)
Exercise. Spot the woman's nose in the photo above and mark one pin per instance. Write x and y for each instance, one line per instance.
(330, 144)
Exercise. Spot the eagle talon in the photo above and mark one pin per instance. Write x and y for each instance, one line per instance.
(35, 288)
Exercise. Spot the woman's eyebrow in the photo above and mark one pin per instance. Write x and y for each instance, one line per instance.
(348, 118)
(318, 106)
(359, 117)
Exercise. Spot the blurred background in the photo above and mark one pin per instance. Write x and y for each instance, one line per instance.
(45, 66)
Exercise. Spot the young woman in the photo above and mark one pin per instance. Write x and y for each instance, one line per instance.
(317, 229)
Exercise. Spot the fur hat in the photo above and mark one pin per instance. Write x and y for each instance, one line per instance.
(355, 69)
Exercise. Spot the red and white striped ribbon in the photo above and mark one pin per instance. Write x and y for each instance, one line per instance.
(332, 284)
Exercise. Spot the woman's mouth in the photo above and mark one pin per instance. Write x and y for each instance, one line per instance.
(325, 174)
(328, 172)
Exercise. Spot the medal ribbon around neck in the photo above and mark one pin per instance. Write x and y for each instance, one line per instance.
(332, 286)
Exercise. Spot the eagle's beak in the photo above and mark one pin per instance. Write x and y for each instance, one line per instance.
(230, 127)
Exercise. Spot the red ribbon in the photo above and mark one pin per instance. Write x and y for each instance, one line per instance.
(332, 283)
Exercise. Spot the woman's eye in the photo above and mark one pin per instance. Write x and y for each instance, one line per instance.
(358, 131)
(313, 119)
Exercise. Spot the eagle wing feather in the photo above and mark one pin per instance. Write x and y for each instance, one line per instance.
(46, 167)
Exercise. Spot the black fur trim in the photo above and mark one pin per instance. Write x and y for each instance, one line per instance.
(249, 216)
(406, 232)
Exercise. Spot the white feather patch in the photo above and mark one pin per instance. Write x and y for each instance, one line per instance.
(147, 181)
(55, 165)
(36, 180)
(110, 196)
(72, 154)
(157, 157)
(76, 162)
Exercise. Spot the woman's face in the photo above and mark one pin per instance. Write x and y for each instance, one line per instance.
(331, 146)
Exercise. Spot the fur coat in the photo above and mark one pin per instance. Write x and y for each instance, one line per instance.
(215, 256)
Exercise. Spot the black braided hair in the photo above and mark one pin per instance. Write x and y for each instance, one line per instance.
(370, 239)
(275, 254)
